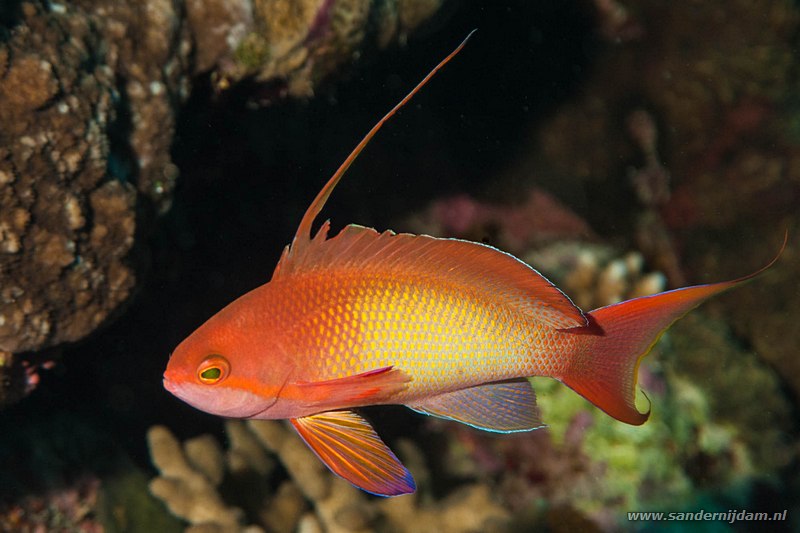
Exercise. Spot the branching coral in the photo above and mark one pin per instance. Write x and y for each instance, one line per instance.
(194, 487)
(189, 478)
(595, 275)
(339, 506)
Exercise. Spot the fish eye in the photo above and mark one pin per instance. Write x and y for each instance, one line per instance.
(213, 369)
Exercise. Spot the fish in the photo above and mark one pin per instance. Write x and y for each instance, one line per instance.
(449, 328)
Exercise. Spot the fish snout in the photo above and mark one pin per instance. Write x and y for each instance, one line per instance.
(170, 385)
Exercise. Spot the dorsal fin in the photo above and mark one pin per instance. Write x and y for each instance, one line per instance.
(364, 251)
(302, 237)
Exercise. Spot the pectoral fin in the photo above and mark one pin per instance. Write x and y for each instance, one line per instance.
(502, 407)
(351, 391)
(349, 446)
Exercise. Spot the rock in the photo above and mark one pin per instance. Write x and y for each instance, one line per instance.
(89, 92)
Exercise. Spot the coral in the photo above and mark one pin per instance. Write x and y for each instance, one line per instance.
(67, 509)
(771, 326)
(72, 175)
(339, 506)
(189, 478)
(311, 499)
(595, 275)
(719, 89)
(679, 69)
(218, 28)
(758, 416)
(295, 45)
(651, 182)
(96, 174)
(652, 186)
(65, 227)
(470, 508)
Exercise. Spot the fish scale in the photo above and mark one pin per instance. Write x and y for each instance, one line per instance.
(443, 338)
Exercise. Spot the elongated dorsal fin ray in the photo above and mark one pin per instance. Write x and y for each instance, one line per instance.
(303, 235)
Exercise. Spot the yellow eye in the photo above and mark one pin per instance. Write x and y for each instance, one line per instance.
(213, 369)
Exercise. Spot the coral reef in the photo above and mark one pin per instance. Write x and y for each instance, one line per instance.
(295, 45)
(676, 137)
(718, 89)
(708, 99)
(89, 93)
(197, 477)
(189, 477)
(652, 186)
(762, 312)
(75, 149)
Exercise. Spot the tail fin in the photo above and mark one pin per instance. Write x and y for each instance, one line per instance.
(618, 337)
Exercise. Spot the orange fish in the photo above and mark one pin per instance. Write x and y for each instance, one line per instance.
(449, 328)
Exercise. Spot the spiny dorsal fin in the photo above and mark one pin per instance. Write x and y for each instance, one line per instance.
(302, 237)
(473, 266)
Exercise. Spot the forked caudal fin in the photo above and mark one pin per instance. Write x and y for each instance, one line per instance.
(618, 337)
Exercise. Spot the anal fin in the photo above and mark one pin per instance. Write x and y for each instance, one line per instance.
(502, 407)
(349, 446)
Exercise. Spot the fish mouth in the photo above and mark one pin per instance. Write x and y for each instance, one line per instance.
(201, 402)
(170, 385)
